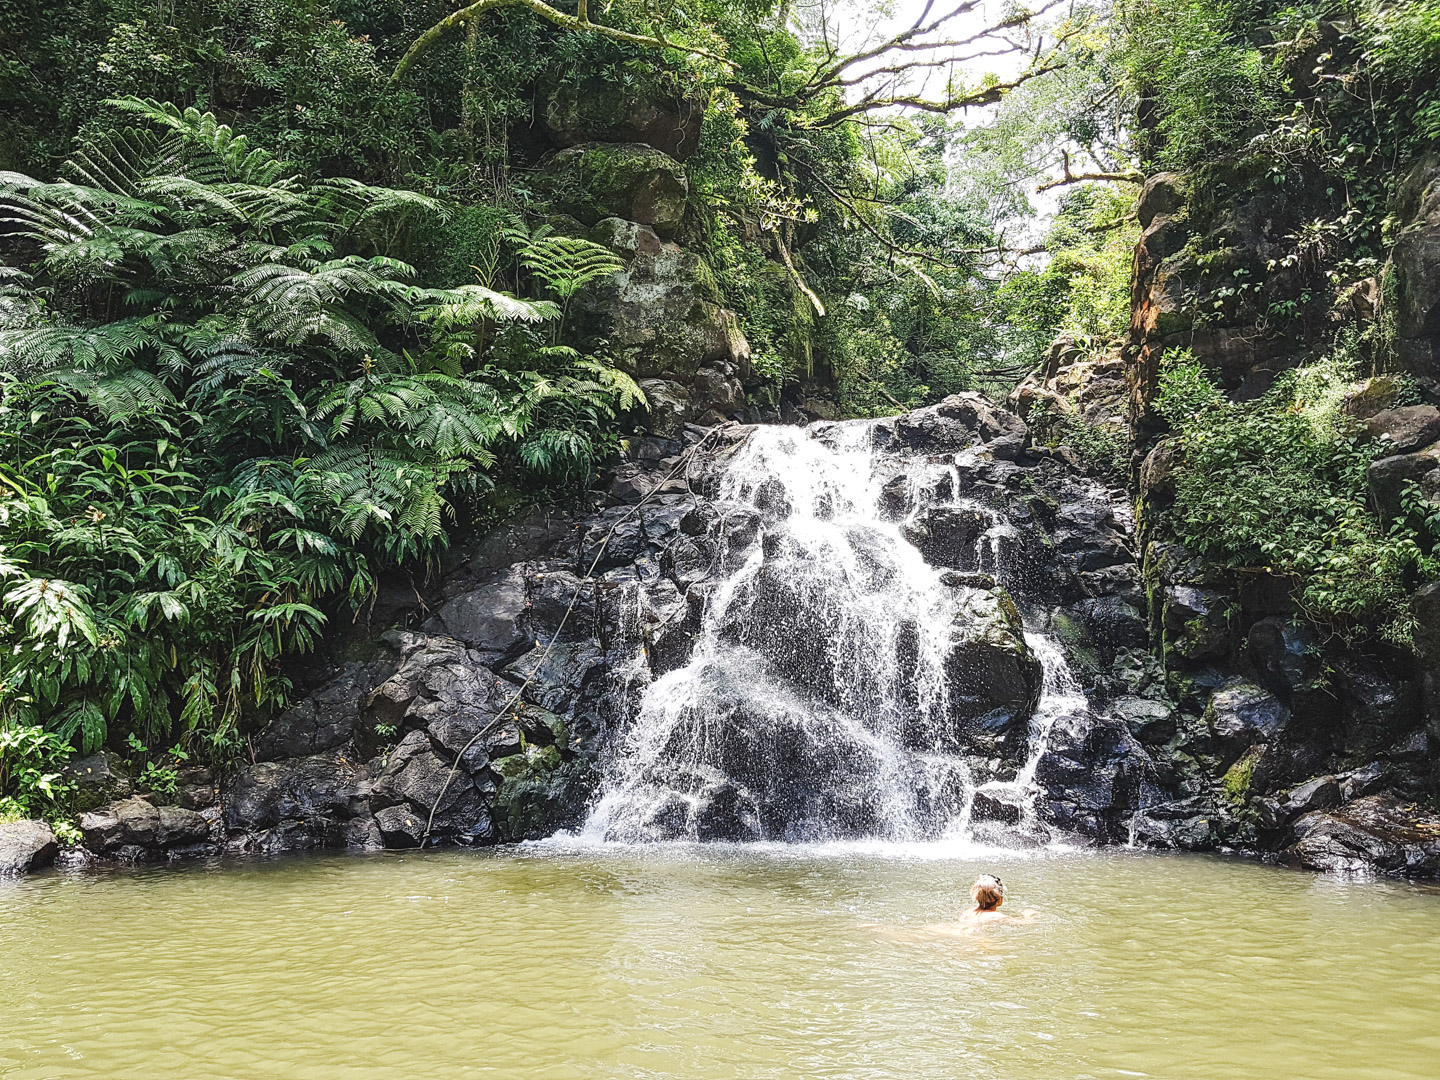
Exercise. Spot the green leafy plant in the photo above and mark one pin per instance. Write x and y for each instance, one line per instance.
(1281, 483)
(30, 777)
(222, 406)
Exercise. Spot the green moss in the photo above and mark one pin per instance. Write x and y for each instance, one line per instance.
(1238, 778)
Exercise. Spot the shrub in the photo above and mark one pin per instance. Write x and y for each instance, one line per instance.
(1280, 482)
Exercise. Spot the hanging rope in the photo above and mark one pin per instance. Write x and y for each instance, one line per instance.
(683, 463)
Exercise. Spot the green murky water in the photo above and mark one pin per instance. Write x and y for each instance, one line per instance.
(700, 964)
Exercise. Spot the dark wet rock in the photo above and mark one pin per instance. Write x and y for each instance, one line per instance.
(1321, 793)
(948, 536)
(962, 421)
(418, 777)
(1149, 720)
(322, 721)
(1242, 714)
(26, 846)
(1190, 824)
(726, 812)
(195, 788)
(134, 830)
(1379, 711)
(96, 779)
(992, 677)
(490, 618)
(294, 804)
(1374, 834)
(1094, 774)
(1113, 621)
(1290, 663)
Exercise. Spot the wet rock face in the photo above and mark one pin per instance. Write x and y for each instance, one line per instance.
(26, 846)
(135, 830)
(1373, 833)
(477, 715)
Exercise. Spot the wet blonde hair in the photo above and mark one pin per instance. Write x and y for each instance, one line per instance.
(987, 892)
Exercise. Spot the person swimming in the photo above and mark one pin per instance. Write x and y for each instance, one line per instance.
(987, 894)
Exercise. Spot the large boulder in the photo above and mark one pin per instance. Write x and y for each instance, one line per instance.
(97, 779)
(1407, 428)
(632, 181)
(1389, 477)
(1241, 715)
(134, 830)
(26, 846)
(596, 110)
(663, 316)
(492, 617)
(1412, 292)
(1373, 834)
(540, 792)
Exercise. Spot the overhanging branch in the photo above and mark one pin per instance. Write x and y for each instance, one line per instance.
(580, 22)
(1129, 176)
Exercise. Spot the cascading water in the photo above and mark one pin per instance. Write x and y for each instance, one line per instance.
(840, 684)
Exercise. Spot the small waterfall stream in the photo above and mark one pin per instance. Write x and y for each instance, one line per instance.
(821, 698)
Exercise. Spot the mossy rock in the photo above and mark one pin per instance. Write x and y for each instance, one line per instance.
(632, 181)
(663, 314)
(540, 792)
(599, 111)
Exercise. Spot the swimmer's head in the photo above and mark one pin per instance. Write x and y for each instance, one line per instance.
(988, 892)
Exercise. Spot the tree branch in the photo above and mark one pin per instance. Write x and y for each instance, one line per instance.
(580, 21)
(987, 96)
(1131, 176)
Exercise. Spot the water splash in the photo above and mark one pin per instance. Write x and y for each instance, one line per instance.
(821, 699)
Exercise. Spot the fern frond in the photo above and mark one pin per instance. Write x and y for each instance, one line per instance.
(566, 264)
(466, 305)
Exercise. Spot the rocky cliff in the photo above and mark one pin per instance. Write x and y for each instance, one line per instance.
(1304, 741)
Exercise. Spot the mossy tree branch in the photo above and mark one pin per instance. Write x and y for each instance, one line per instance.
(580, 21)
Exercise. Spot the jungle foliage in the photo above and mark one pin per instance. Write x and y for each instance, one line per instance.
(226, 406)
(1280, 483)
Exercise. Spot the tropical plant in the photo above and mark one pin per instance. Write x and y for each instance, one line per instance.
(223, 405)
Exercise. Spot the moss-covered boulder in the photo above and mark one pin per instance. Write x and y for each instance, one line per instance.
(665, 322)
(598, 111)
(1411, 296)
(632, 181)
(541, 791)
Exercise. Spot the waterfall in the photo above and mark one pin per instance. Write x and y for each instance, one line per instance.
(840, 685)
